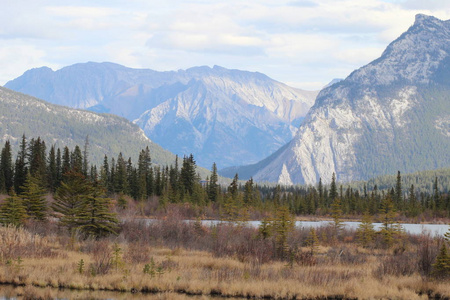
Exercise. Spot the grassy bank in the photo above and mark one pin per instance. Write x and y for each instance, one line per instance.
(232, 261)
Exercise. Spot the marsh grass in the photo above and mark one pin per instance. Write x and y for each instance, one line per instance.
(221, 260)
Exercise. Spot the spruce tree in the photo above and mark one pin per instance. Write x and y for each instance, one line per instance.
(365, 231)
(12, 211)
(71, 198)
(398, 196)
(213, 187)
(441, 268)
(387, 214)
(21, 170)
(76, 160)
(6, 169)
(33, 198)
(52, 172)
(96, 219)
(188, 175)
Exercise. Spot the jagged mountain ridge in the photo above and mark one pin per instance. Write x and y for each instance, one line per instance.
(392, 114)
(62, 126)
(227, 116)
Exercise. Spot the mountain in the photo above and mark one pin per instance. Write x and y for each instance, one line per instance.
(62, 126)
(230, 117)
(392, 114)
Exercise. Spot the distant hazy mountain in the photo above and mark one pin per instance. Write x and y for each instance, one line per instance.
(228, 116)
(392, 114)
(61, 126)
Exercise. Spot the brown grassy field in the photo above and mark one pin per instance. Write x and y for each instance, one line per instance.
(175, 257)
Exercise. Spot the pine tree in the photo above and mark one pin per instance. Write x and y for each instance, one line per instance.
(33, 198)
(312, 241)
(188, 175)
(365, 231)
(6, 169)
(387, 213)
(398, 196)
(65, 161)
(283, 224)
(441, 268)
(12, 211)
(70, 199)
(213, 187)
(121, 182)
(37, 159)
(96, 219)
(85, 167)
(21, 169)
(249, 193)
(76, 160)
(333, 189)
(52, 172)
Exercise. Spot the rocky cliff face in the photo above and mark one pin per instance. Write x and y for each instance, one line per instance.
(392, 114)
(225, 116)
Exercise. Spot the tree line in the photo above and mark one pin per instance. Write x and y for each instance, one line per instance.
(52, 170)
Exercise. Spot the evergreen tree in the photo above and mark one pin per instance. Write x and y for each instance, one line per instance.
(387, 213)
(21, 170)
(58, 167)
(76, 160)
(234, 187)
(85, 167)
(441, 268)
(52, 172)
(213, 187)
(71, 198)
(96, 219)
(12, 211)
(37, 159)
(33, 198)
(436, 196)
(188, 175)
(65, 161)
(312, 241)
(249, 194)
(121, 180)
(283, 224)
(104, 173)
(333, 189)
(365, 231)
(398, 196)
(6, 168)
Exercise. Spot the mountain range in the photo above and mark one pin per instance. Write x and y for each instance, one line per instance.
(62, 126)
(230, 117)
(392, 114)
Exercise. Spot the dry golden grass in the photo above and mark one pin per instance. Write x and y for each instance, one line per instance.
(200, 273)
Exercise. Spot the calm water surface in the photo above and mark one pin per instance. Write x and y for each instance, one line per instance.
(433, 229)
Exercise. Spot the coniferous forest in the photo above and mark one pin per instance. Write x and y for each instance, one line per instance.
(57, 206)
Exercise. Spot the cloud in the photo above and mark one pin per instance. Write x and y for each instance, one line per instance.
(297, 41)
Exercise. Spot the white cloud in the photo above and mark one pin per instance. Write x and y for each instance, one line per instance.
(297, 41)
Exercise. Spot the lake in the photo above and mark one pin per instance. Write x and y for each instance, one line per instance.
(433, 229)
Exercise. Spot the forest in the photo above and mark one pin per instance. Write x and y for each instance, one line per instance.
(56, 207)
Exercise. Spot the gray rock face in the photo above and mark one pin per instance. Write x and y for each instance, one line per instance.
(392, 114)
(225, 116)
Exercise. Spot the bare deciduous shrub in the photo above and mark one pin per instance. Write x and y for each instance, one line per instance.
(18, 242)
(137, 253)
(404, 264)
(345, 255)
(426, 253)
(102, 258)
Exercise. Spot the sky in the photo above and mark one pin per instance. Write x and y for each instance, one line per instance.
(303, 43)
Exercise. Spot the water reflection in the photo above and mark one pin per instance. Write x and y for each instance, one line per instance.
(8, 292)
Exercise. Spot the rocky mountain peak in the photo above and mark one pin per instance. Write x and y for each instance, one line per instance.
(386, 116)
